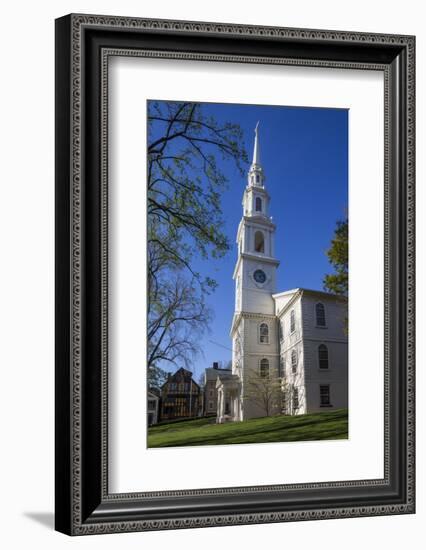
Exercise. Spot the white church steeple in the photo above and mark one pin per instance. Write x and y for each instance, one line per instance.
(256, 151)
(256, 263)
(254, 327)
(256, 198)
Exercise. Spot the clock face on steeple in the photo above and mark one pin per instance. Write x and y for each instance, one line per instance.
(259, 276)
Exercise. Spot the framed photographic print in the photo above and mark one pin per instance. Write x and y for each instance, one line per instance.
(234, 274)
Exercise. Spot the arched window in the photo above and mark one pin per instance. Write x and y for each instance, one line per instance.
(264, 368)
(257, 178)
(259, 242)
(292, 321)
(264, 333)
(258, 204)
(293, 361)
(323, 356)
(320, 315)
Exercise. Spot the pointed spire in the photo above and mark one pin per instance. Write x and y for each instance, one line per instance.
(255, 175)
(256, 151)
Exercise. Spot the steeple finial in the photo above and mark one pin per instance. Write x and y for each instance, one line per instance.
(256, 177)
(256, 151)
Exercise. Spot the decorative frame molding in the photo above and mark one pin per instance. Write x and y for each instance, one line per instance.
(84, 44)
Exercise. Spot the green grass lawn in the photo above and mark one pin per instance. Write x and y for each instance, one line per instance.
(204, 431)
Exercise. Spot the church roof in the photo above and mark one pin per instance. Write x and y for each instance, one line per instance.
(295, 293)
(309, 291)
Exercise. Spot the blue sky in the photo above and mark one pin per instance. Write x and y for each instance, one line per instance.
(304, 154)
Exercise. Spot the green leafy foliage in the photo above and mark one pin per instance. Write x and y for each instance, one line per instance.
(338, 255)
(185, 181)
(186, 150)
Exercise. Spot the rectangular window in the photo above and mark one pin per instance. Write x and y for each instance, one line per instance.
(151, 404)
(320, 315)
(294, 361)
(324, 395)
(295, 398)
(264, 333)
(211, 393)
(292, 321)
(211, 405)
(323, 356)
(264, 368)
(173, 386)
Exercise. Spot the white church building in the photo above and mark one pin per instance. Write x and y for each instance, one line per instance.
(297, 338)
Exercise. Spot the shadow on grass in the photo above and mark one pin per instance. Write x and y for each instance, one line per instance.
(313, 427)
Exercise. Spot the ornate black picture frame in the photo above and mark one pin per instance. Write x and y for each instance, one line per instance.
(84, 44)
